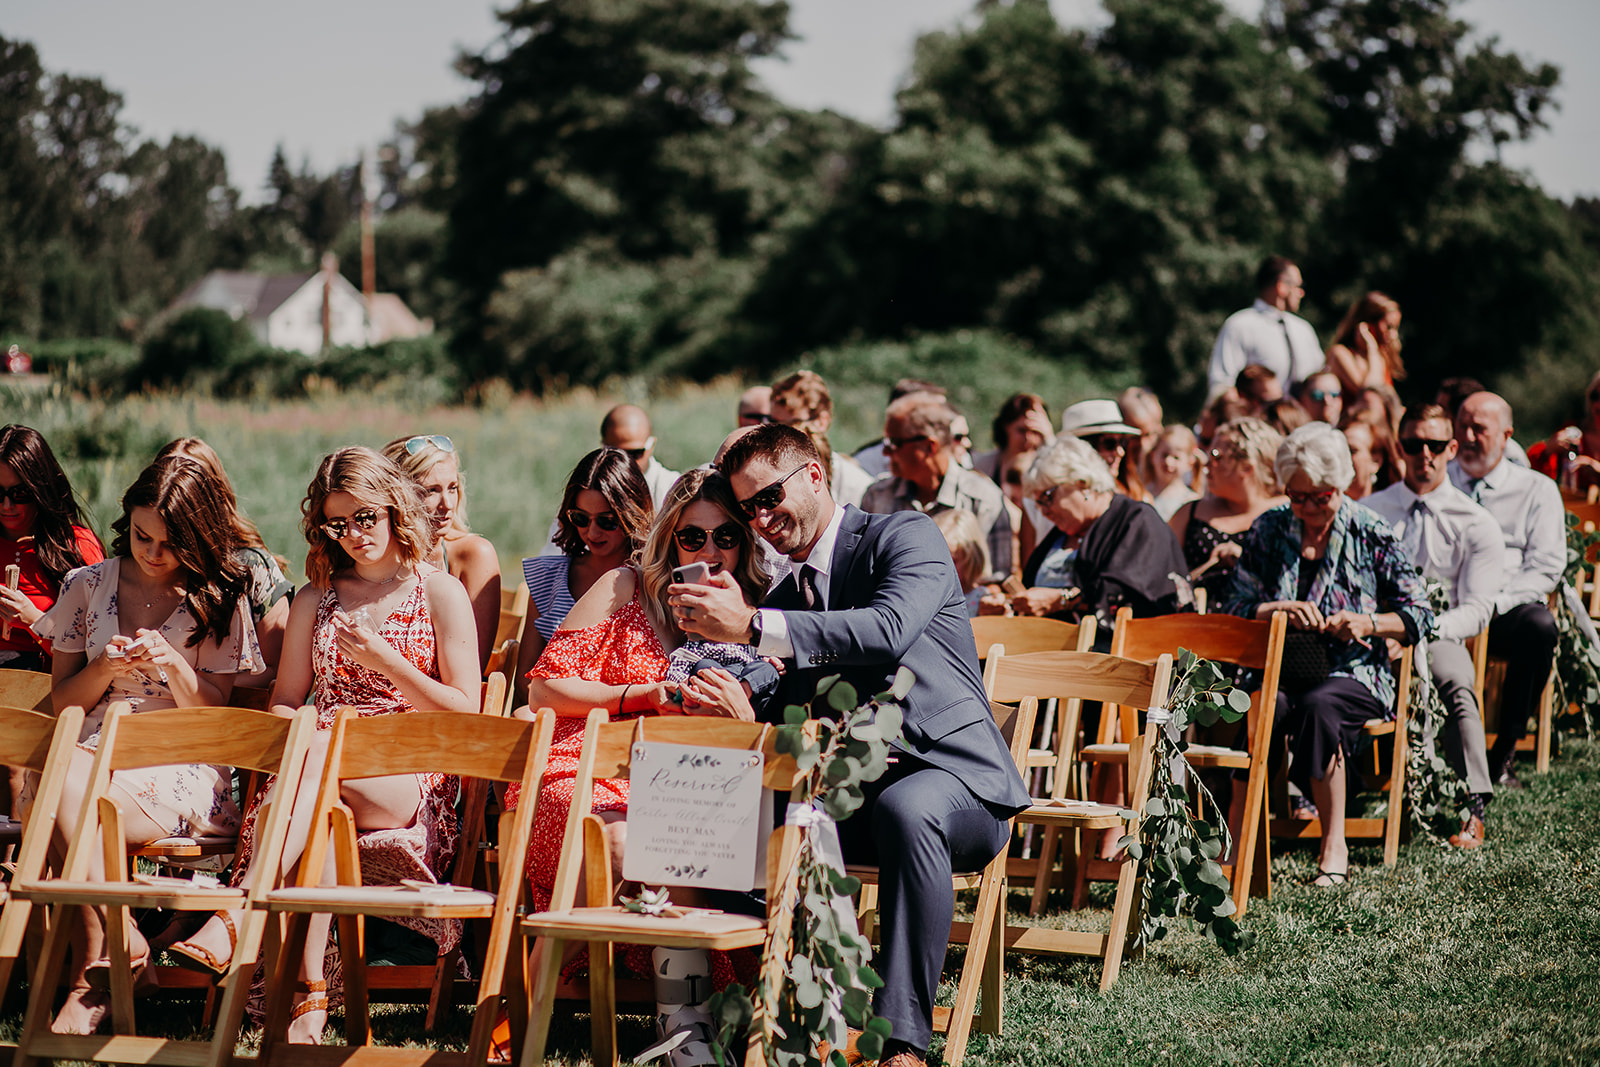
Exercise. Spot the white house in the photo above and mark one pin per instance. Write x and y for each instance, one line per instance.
(286, 310)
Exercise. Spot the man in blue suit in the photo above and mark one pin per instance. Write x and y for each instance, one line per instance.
(863, 596)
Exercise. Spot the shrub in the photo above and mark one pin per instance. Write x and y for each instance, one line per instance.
(194, 344)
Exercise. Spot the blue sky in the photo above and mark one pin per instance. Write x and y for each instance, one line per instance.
(326, 77)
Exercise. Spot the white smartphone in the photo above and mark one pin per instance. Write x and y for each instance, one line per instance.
(693, 574)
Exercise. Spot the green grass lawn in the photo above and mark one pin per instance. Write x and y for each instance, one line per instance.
(1488, 957)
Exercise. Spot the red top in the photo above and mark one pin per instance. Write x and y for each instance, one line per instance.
(36, 586)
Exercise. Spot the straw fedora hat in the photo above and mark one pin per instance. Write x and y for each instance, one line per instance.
(1089, 418)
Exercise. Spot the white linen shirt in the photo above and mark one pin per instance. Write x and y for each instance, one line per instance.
(1256, 335)
(1461, 545)
(1527, 506)
(774, 627)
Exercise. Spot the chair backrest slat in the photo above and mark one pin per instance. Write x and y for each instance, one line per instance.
(236, 737)
(25, 689)
(1064, 675)
(437, 742)
(25, 737)
(1022, 634)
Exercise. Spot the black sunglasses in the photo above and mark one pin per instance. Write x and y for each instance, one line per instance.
(1106, 442)
(768, 498)
(17, 495)
(606, 520)
(339, 529)
(693, 538)
(1412, 446)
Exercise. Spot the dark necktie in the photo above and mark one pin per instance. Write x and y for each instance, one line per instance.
(1412, 541)
(808, 589)
(1288, 343)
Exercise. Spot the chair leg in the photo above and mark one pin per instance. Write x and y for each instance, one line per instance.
(602, 1004)
(867, 910)
(46, 976)
(546, 968)
(1547, 699)
(991, 1019)
(1397, 798)
(281, 983)
(961, 1012)
(1044, 871)
(442, 994)
(353, 957)
(122, 1017)
(1250, 833)
(1121, 919)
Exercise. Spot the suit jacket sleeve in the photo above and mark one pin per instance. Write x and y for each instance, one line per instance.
(911, 577)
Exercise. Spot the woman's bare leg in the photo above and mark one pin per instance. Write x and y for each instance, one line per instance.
(1329, 795)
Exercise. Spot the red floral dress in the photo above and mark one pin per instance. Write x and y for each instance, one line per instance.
(428, 845)
(622, 649)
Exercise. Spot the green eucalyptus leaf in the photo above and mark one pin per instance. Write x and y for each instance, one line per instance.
(795, 715)
(870, 1044)
(842, 697)
(1239, 701)
(904, 679)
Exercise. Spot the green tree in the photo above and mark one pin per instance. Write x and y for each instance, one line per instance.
(618, 133)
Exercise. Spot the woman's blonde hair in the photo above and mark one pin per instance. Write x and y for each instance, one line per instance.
(660, 554)
(968, 549)
(416, 465)
(376, 482)
(1258, 442)
(198, 450)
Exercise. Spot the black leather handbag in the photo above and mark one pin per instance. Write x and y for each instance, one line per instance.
(1306, 662)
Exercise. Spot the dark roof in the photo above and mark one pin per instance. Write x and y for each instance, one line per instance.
(243, 293)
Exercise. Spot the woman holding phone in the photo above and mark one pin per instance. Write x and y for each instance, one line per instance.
(165, 622)
(621, 649)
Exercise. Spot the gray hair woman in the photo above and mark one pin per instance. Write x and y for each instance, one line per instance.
(1337, 571)
(1240, 484)
(1105, 549)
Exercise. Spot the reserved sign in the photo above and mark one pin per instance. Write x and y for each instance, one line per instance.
(695, 817)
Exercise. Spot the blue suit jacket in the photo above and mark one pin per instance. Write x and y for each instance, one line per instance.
(894, 600)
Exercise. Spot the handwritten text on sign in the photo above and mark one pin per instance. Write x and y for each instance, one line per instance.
(694, 817)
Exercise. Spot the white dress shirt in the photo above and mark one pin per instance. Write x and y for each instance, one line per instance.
(660, 479)
(1528, 508)
(1458, 542)
(1282, 342)
(774, 627)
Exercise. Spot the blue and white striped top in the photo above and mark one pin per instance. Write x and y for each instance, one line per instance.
(547, 588)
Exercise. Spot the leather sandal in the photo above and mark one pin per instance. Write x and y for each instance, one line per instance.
(193, 957)
(1335, 878)
(316, 1000)
(98, 973)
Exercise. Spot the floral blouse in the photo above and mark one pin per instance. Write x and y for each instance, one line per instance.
(1364, 570)
(84, 619)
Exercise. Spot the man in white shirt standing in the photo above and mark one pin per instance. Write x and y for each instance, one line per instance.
(1528, 508)
(1268, 332)
(1459, 543)
(627, 427)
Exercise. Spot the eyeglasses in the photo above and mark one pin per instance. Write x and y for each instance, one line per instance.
(17, 495)
(1319, 395)
(1317, 499)
(693, 538)
(606, 520)
(1412, 446)
(895, 444)
(1047, 498)
(1217, 455)
(339, 529)
(636, 454)
(761, 418)
(1105, 442)
(438, 440)
(768, 498)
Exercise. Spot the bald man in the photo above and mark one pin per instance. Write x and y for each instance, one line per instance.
(1528, 508)
(627, 427)
(755, 405)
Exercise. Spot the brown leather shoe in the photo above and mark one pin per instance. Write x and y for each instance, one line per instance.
(905, 1059)
(1471, 834)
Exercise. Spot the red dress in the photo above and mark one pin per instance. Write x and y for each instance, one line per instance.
(621, 649)
(424, 850)
(37, 586)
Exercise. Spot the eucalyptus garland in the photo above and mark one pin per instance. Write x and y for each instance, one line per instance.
(1176, 852)
(828, 980)
(1577, 659)
(1436, 796)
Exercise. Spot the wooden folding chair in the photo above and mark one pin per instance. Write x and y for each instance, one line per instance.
(1021, 634)
(225, 736)
(1256, 646)
(1493, 675)
(981, 970)
(41, 743)
(607, 753)
(482, 748)
(1386, 829)
(503, 664)
(25, 689)
(513, 615)
(1112, 680)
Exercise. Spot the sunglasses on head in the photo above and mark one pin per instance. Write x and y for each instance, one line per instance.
(768, 498)
(1315, 498)
(339, 529)
(437, 440)
(693, 538)
(1413, 446)
(606, 520)
(1319, 395)
(17, 495)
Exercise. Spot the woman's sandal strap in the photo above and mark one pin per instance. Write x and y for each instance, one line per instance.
(313, 1002)
(188, 952)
